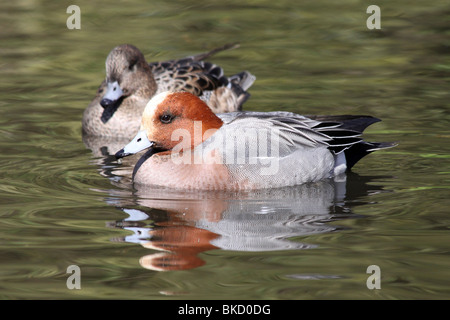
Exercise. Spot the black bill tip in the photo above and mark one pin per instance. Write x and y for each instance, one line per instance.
(121, 154)
(105, 103)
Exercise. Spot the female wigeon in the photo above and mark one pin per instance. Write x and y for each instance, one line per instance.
(193, 148)
(131, 82)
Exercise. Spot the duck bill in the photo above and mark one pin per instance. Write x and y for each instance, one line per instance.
(140, 142)
(112, 95)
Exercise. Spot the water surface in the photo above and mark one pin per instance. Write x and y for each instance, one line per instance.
(62, 203)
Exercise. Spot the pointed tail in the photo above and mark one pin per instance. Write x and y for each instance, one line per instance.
(359, 150)
(203, 56)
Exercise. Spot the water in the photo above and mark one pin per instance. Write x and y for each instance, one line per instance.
(63, 204)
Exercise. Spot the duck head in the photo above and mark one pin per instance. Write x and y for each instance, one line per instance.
(127, 73)
(171, 118)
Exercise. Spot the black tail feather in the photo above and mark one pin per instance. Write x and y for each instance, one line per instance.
(346, 131)
(349, 122)
(359, 150)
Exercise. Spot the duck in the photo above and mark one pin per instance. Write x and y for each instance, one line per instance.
(131, 82)
(190, 147)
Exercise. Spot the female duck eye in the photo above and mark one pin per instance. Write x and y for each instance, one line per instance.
(166, 118)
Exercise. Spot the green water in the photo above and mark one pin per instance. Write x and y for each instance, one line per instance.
(62, 204)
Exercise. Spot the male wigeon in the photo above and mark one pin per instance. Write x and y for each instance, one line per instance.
(130, 83)
(193, 148)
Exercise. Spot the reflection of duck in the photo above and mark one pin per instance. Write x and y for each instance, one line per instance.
(130, 82)
(180, 246)
(184, 224)
(259, 221)
(101, 148)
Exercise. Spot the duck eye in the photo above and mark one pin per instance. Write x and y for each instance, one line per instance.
(166, 118)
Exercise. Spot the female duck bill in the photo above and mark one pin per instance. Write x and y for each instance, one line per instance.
(112, 95)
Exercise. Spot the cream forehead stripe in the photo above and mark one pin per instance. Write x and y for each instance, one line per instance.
(152, 105)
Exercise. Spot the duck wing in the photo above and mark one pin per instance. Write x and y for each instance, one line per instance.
(338, 133)
(203, 78)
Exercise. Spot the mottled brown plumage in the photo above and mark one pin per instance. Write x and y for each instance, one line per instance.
(131, 82)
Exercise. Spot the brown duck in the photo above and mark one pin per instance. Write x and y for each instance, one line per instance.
(131, 82)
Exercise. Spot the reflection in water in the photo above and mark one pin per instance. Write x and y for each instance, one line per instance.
(181, 225)
(103, 151)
